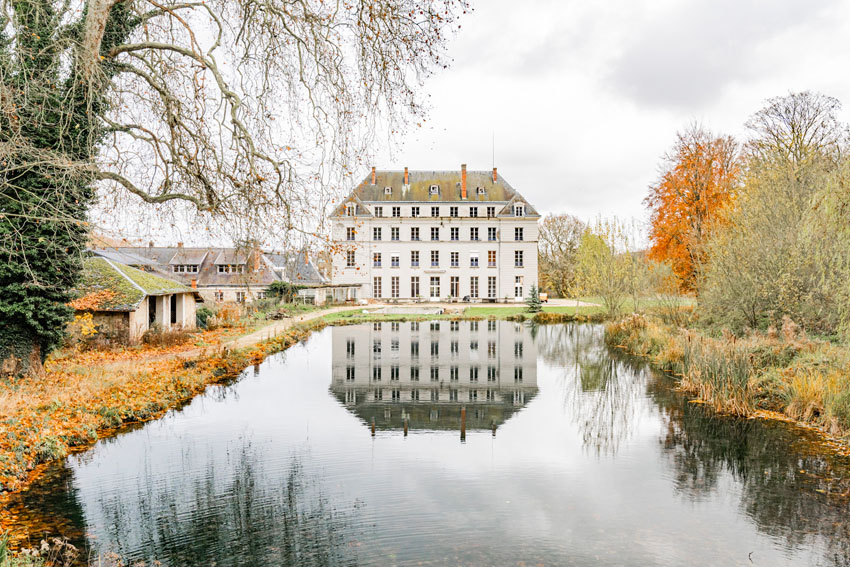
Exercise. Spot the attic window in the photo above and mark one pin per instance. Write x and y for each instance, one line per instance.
(388, 190)
(350, 209)
(434, 190)
(480, 190)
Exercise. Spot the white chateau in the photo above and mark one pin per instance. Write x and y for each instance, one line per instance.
(437, 235)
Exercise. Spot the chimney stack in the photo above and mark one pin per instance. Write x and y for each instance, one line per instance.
(495, 175)
(194, 283)
(179, 245)
(463, 181)
(406, 177)
(374, 176)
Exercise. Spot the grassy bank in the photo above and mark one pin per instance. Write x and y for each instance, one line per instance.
(780, 373)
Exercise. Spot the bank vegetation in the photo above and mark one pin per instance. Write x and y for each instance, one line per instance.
(756, 233)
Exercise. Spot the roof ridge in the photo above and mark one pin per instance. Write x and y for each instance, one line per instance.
(126, 277)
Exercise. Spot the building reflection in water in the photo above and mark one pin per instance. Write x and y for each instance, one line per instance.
(429, 373)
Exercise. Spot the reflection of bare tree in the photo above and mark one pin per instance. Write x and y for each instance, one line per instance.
(790, 487)
(248, 518)
(600, 389)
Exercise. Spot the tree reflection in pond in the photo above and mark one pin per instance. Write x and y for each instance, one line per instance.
(790, 485)
(600, 389)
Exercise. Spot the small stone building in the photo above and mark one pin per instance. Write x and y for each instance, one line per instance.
(125, 302)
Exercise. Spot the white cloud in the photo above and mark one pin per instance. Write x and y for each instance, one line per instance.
(585, 97)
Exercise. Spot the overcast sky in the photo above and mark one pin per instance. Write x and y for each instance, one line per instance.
(584, 98)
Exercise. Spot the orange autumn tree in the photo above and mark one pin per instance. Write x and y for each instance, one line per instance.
(697, 182)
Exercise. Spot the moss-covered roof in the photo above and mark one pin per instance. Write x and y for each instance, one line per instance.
(126, 287)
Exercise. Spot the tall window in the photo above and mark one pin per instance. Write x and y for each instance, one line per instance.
(414, 212)
(349, 259)
(517, 373)
(435, 374)
(435, 258)
(349, 348)
(473, 287)
(435, 349)
(455, 259)
(394, 372)
(414, 373)
(414, 349)
(453, 373)
(435, 211)
(491, 233)
(473, 233)
(394, 233)
(454, 286)
(473, 212)
(435, 233)
(376, 233)
(414, 259)
(473, 374)
(394, 287)
(376, 373)
(396, 211)
(491, 287)
(414, 233)
(491, 258)
(518, 233)
(435, 286)
(349, 233)
(473, 260)
(455, 233)
(452, 211)
(376, 286)
(491, 374)
(518, 349)
(379, 211)
(394, 263)
(518, 286)
(414, 286)
(518, 258)
(491, 212)
(376, 259)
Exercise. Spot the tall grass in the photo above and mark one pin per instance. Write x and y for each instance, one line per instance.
(780, 370)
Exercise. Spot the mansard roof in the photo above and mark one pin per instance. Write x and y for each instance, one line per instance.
(389, 187)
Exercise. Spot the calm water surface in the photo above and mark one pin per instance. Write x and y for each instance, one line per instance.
(571, 455)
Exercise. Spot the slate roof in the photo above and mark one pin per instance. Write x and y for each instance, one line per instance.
(297, 268)
(127, 258)
(188, 256)
(207, 275)
(419, 187)
(128, 286)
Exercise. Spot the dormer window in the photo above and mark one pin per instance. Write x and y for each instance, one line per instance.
(388, 190)
(519, 210)
(350, 209)
(434, 190)
(480, 190)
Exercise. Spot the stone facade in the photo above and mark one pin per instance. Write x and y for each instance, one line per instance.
(425, 236)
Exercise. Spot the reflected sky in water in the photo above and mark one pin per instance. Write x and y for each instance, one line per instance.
(581, 457)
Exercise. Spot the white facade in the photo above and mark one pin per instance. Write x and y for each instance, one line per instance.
(429, 370)
(436, 250)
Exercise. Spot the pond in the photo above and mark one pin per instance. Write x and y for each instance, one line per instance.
(450, 443)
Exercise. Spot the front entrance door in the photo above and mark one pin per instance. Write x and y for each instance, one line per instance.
(435, 288)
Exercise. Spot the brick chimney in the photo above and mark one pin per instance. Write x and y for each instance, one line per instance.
(495, 175)
(179, 245)
(406, 177)
(194, 283)
(374, 176)
(463, 181)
